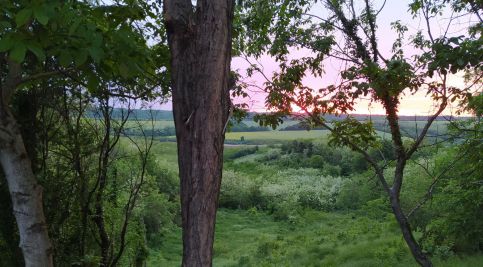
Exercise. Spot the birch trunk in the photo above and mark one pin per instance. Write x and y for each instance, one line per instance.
(25, 192)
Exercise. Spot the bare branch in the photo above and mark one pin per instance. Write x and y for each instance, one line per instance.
(136, 187)
(429, 192)
(43, 75)
(323, 20)
(349, 29)
(425, 11)
(423, 133)
(380, 9)
(372, 27)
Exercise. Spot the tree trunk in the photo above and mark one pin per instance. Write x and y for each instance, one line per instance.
(8, 229)
(99, 216)
(391, 105)
(25, 193)
(407, 233)
(200, 44)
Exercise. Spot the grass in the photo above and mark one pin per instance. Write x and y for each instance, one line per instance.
(161, 124)
(408, 128)
(277, 135)
(253, 238)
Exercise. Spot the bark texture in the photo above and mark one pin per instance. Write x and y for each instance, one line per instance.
(25, 192)
(200, 43)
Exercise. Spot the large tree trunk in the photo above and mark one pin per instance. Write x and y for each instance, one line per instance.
(200, 43)
(25, 193)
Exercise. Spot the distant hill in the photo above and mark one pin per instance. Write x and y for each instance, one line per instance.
(137, 114)
(410, 126)
(167, 115)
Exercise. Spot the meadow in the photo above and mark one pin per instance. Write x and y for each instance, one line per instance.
(276, 135)
(295, 201)
(165, 129)
(252, 238)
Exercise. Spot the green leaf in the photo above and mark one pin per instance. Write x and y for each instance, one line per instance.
(37, 50)
(74, 26)
(5, 25)
(80, 57)
(6, 44)
(41, 15)
(18, 52)
(124, 70)
(65, 58)
(96, 53)
(23, 16)
(92, 83)
(460, 62)
(96, 39)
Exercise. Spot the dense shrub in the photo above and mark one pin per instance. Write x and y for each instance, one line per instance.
(159, 216)
(457, 208)
(358, 190)
(243, 152)
(243, 127)
(307, 154)
(240, 192)
(316, 161)
(294, 178)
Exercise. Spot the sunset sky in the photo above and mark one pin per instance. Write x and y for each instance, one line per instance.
(393, 10)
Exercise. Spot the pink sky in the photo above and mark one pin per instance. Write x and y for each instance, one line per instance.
(393, 10)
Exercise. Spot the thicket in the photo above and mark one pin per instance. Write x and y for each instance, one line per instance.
(409, 128)
(243, 127)
(96, 180)
(444, 212)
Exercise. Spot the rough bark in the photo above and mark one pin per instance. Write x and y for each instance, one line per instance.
(200, 44)
(25, 192)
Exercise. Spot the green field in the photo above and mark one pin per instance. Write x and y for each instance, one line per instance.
(409, 129)
(158, 124)
(274, 229)
(263, 223)
(251, 238)
(277, 135)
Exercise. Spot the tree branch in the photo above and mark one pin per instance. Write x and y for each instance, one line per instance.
(349, 29)
(12, 81)
(429, 192)
(42, 75)
(423, 133)
(323, 20)
(378, 170)
(372, 26)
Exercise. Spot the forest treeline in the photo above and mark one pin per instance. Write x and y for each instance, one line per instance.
(410, 125)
